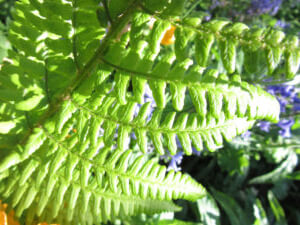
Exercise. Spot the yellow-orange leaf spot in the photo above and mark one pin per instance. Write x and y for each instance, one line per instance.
(168, 38)
(3, 218)
(7, 219)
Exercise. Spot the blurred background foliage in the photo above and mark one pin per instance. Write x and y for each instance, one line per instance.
(6, 6)
(256, 178)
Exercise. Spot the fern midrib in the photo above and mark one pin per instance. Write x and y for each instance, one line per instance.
(122, 198)
(101, 167)
(104, 194)
(162, 130)
(205, 86)
(74, 38)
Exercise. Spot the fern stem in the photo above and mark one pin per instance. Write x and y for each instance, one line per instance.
(104, 2)
(74, 38)
(147, 76)
(192, 8)
(28, 121)
(46, 82)
(112, 34)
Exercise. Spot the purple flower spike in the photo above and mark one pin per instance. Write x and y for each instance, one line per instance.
(264, 126)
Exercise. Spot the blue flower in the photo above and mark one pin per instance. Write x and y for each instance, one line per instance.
(285, 94)
(246, 135)
(296, 107)
(207, 17)
(286, 133)
(296, 103)
(148, 97)
(175, 162)
(265, 6)
(282, 102)
(216, 3)
(285, 126)
(273, 89)
(194, 150)
(264, 126)
(287, 91)
(282, 24)
(296, 99)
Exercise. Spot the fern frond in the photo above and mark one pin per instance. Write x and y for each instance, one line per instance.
(110, 117)
(208, 91)
(94, 177)
(261, 47)
(70, 85)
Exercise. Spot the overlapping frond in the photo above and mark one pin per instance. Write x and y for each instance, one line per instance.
(64, 175)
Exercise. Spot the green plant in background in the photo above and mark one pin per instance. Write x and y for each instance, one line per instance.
(80, 143)
(4, 44)
(5, 13)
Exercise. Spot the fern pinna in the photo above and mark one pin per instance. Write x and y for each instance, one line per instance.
(72, 102)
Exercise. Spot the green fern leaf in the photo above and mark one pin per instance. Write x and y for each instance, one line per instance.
(271, 44)
(119, 182)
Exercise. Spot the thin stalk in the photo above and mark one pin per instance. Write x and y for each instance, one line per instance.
(192, 8)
